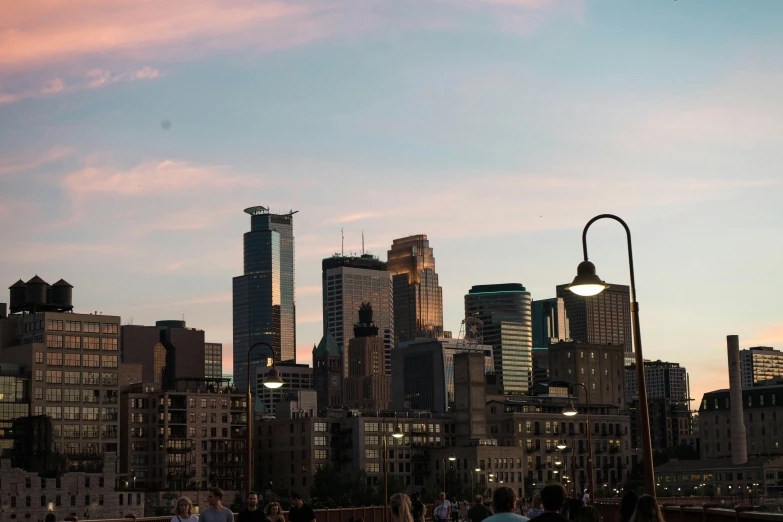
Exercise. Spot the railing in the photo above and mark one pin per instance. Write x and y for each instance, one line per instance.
(709, 512)
(368, 514)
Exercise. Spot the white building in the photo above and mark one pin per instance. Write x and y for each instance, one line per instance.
(760, 363)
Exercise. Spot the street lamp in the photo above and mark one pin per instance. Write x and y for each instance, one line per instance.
(452, 458)
(272, 381)
(570, 411)
(587, 283)
(562, 444)
(397, 434)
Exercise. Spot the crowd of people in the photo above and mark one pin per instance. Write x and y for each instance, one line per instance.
(552, 505)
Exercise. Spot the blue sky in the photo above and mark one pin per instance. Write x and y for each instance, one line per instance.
(497, 127)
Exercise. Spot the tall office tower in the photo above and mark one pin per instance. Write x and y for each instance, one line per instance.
(264, 305)
(367, 386)
(600, 319)
(74, 363)
(166, 352)
(550, 322)
(213, 360)
(418, 299)
(759, 364)
(347, 283)
(504, 311)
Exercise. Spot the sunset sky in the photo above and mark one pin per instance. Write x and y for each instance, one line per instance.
(134, 132)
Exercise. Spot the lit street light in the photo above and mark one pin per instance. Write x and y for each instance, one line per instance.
(571, 411)
(587, 283)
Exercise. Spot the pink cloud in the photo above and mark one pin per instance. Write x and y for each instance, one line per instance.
(22, 164)
(40, 32)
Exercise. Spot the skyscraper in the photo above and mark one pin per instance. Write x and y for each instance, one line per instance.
(759, 364)
(550, 325)
(504, 311)
(264, 305)
(418, 298)
(600, 319)
(347, 283)
(367, 386)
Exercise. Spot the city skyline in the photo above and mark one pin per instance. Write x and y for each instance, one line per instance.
(496, 128)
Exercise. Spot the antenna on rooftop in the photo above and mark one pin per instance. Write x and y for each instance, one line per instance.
(362, 242)
(342, 243)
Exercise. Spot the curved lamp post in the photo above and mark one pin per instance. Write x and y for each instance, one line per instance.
(272, 381)
(397, 434)
(570, 411)
(587, 283)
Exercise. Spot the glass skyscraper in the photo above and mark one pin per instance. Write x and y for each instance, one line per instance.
(264, 306)
(418, 298)
(505, 313)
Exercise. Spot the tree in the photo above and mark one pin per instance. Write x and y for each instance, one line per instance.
(329, 490)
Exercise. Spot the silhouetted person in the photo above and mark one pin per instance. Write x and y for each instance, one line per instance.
(553, 498)
(505, 501)
(587, 514)
(647, 510)
(479, 511)
(627, 507)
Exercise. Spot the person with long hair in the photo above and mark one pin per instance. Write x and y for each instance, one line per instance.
(273, 512)
(627, 506)
(400, 505)
(536, 508)
(184, 511)
(647, 510)
(587, 514)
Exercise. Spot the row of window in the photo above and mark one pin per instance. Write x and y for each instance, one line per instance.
(77, 360)
(56, 325)
(75, 342)
(56, 376)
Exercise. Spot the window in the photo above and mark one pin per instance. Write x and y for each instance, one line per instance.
(109, 344)
(92, 327)
(90, 361)
(73, 359)
(73, 341)
(90, 413)
(39, 375)
(320, 454)
(91, 343)
(73, 326)
(55, 412)
(71, 395)
(54, 325)
(54, 359)
(110, 328)
(371, 440)
(54, 394)
(373, 467)
(109, 361)
(91, 377)
(319, 441)
(319, 426)
(54, 341)
(372, 454)
(109, 379)
(371, 426)
(39, 357)
(72, 412)
(72, 377)
(54, 376)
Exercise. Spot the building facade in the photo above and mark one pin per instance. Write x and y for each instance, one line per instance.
(367, 386)
(601, 368)
(73, 361)
(418, 297)
(99, 495)
(328, 372)
(14, 401)
(423, 373)
(664, 380)
(213, 360)
(185, 439)
(550, 322)
(263, 297)
(166, 352)
(763, 417)
(505, 313)
(600, 319)
(347, 283)
(759, 364)
(295, 376)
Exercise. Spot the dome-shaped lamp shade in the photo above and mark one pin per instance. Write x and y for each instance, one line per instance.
(586, 282)
(452, 457)
(397, 432)
(273, 379)
(561, 445)
(570, 411)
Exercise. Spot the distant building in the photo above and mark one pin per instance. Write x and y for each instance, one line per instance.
(601, 368)
(720, 477)
(505, 313)
(367, 386)
(296, 377)
(423, 373)
(759, 364)
(213, 360)
(188, 438)
(263, 297)
(328, 372)
(663, 380)
(418, 297)
(166, 352)
(14, 402)
(600, 319)
(72, 361)
(550, 322)
(347, 283)
(101, 495)
(763, 416)
(540, 370)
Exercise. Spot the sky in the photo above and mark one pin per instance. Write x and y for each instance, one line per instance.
(134, 132)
